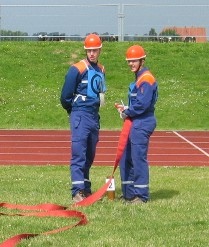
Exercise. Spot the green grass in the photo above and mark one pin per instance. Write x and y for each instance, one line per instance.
(32, 75)
(177, 214)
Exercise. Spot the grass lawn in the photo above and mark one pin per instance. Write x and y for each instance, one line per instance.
(177, 214)
(32, 75)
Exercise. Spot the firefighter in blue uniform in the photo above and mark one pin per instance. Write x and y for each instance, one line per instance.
(82, 95)
(142, 96)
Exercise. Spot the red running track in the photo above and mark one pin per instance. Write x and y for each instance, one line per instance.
(52, 147)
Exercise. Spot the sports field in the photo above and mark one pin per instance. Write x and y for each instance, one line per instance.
(35, 147)
(52, 148)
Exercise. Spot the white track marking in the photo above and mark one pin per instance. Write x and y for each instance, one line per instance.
(191, 143)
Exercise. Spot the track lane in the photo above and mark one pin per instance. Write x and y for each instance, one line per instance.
(52, 147)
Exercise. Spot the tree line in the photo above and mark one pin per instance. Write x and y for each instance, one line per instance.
(164, 36)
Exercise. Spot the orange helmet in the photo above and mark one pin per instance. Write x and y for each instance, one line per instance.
(135, 52)
(92, 41)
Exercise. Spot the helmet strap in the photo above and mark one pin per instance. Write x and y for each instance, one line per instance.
(141, 64)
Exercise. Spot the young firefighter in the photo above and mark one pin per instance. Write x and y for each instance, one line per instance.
(142, 97)
(82, 95)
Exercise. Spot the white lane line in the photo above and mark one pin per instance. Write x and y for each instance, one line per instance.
(191, 143)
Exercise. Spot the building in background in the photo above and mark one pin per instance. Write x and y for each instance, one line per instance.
(190, 34)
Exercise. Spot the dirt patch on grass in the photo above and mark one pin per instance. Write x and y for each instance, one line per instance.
(58, 51)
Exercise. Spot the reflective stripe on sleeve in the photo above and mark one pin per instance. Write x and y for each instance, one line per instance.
(84, 81)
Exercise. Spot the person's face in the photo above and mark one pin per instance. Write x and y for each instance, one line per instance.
(93, 55)
(135, 65)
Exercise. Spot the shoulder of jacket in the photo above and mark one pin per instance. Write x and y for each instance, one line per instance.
(101, 67)
(81, 66)
(145, 77)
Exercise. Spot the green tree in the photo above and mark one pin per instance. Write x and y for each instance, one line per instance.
(12, 33)
(171, 33)
(152, 32)
(153, 35)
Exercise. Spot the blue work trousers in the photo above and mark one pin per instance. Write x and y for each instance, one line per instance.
(84, 137)
(134, 169)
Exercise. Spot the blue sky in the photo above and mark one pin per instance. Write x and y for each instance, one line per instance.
(81, 20)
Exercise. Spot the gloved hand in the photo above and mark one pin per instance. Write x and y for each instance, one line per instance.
(123, 115)
(120, 108)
